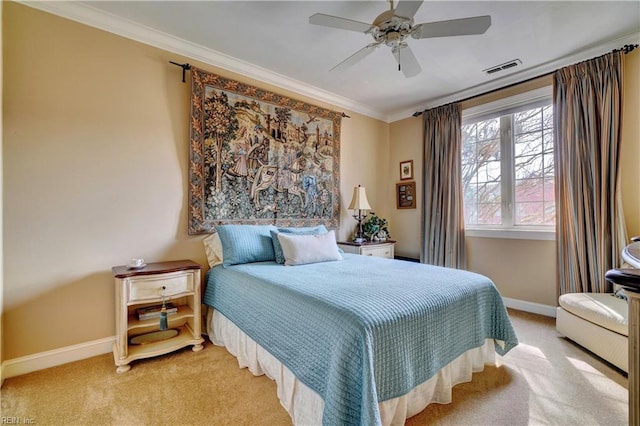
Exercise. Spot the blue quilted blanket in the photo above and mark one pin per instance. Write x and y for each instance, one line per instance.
(364, 329)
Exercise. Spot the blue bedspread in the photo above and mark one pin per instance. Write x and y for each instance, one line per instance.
(364, 329)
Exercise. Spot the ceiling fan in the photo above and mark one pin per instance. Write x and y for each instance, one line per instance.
(394, 26)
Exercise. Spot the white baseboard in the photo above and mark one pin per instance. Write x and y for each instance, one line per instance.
(42, 360)
(534, 308)
(52, 358)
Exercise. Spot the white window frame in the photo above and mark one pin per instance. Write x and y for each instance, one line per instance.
(488, 110)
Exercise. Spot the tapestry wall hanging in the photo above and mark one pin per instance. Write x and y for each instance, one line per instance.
(257, 157)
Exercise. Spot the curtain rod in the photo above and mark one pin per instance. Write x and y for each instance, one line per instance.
(185, 68)
(626, 49)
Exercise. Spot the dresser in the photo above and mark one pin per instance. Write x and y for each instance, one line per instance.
(374, 248)
(178, 282)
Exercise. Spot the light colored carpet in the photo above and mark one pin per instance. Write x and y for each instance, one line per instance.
(546, 380)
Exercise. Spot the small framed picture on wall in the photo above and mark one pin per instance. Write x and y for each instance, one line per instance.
(406, 195)
(406, 170)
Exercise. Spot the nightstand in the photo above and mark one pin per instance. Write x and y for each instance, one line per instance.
(372, 248)
(137, 288)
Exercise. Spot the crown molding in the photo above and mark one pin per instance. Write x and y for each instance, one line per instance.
(87, 15)
(521, 76)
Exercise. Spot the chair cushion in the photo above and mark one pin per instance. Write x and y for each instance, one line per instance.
(603, 309)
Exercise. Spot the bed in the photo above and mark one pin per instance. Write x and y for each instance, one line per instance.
(350, 339)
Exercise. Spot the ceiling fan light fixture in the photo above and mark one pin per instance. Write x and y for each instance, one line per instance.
(394, 39)
(390, 29)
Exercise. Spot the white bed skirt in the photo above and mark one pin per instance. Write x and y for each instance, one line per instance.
(305, 406)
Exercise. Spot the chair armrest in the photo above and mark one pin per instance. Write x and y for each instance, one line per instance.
(626, 277)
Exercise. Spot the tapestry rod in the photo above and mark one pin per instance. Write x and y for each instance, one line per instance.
(184, 67)
(626, 49)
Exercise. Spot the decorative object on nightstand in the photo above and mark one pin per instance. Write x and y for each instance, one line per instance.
(360, 204)
(372, 248)
(147, 287)
(376, 228)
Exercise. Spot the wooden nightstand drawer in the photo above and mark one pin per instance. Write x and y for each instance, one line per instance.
(376, 249)
(150, 287)
(386, 251)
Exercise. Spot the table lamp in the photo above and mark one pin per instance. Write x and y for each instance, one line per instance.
(359, 204)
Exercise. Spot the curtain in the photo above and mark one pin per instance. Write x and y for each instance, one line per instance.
(443, 242)
(590, 229)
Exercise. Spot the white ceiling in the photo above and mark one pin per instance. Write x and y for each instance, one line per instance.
(273, 41)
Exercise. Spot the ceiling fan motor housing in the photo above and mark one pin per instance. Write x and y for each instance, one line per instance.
(391, 29)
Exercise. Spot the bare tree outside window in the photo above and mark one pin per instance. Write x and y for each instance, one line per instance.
(481, 176)
(508, 171)
(533, 154)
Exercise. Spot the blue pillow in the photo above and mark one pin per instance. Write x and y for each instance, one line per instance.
(309, 230)
(246, 243)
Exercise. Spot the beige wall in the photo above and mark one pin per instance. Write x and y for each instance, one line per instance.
(630, 150)
(534, 261)
(405, 141)
(96, 167)
(95, 161)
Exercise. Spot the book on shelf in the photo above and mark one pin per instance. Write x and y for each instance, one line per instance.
(153, 311)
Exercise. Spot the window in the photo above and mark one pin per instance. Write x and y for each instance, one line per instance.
(507, 166)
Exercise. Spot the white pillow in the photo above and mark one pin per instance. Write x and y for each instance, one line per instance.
(213, 248)
(303, 249)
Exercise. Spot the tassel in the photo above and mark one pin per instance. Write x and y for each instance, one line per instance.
(163, 319)
(163, 313)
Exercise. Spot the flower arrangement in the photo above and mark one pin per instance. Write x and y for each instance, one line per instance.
(376, 228)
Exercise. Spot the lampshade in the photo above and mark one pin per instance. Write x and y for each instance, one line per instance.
(359, 200)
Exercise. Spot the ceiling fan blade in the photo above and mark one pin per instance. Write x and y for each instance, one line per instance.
(407, 61)
(337, 22)
(356, 57)
(407, 9)
(453, 27)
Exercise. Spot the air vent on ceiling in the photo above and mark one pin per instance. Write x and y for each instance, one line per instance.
(502, 67)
